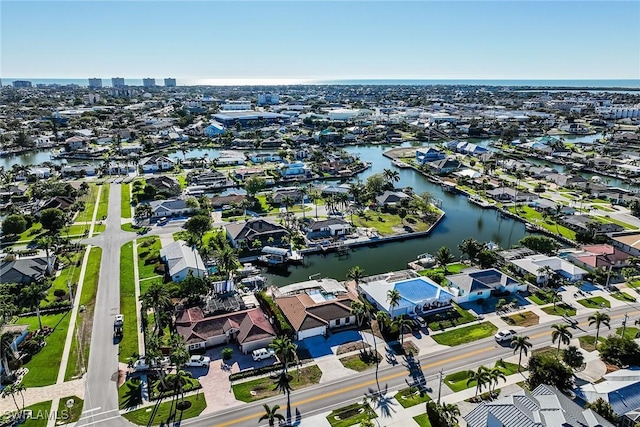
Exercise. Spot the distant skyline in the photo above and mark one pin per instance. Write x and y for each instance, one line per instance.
(320, 40)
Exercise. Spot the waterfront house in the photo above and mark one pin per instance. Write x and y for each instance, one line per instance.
(182, 260)
(264, 157)
(566, 180)
(244, 173)
(166, 185)
(536, 266)
(57, 202)
(292, 169)
(250, 329)
(602, 255)
(78, 170)
(214, 129)
(509, 194)
(331, 227)
(584, 223)
(391, 198)
(157, 164)
(428, 155)
(418, 295)
(317, 307)
(229, 199)
(208, 179)
(444, 166)
(482, 285)
(279, 194)
(545, 406)
(242, 234)
(169, 207)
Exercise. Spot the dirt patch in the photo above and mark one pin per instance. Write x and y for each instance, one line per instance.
(526, 318)
(351, 346)
(611, 368)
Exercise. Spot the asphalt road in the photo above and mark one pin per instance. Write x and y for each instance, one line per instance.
(320, 398)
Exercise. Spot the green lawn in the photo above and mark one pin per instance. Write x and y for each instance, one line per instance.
(360, 362)
(422, 420)
(458, 380)
(454, 268)
(623, 296)
(79, 356)
(560, 310)
(527, 318)
(350, 415)
(125, 200)
(39, 413)
(466, 334)
(68, 414)
(80, 229)
(163, 411)
(630, 332)
(595, 302)
(103, 206)
(264, 387)
(130, 227)
(31, 233)
(615, 221)
(452, 317)
(587, 342)
(43, 367)
(130, 393)
(129, 343)
(634, 283)
(69, 274)
(148, 256)
(411, 396)
(536, 217)
(388, 224)
(89, 200)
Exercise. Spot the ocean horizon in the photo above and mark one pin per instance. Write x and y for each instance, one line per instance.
(560, 83)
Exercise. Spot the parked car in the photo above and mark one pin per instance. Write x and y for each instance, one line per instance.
(262, 353)
(162, 221)
(505, 335)
(142, 364)
(420, 321)
(197, 361)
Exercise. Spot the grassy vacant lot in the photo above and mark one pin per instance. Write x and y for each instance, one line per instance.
(360, 362)
(527, 318)
(411, 396)
(587, 342)
(125, 201)
(422, 420)
(66, 415)
(148, 256)
(560, 309)
(79, 355)
(388, 224)
(89, 200)
(535, 217)
(43, 367)
(163, 411)
(629, 332)
(623, 296)
(453, 317)
(264, 387)
(350, 415)
(103, 205)
(129, 343)
(458, 380)
(130, 394)
(466, 334)
(69, 274)
(594, 302)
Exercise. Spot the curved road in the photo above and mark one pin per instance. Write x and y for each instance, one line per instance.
(101, 398)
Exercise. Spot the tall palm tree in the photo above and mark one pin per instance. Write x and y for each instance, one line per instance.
(304, 192)
(393, 297)
(444, 257)
(355, 273)
(391, 176)
(6, 351)
(285, 349)
(481, 377)
(157, 298)
(401, 322)
(287, 202)
(283, 384)
(495, 375)
(521, 344)
(562, 334)
(271, 415)
(451, 413)
(179, 355)
(33, 295)
(227, 260)
(358, 309)
(599, 318)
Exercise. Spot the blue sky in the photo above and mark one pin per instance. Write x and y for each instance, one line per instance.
(321, 39)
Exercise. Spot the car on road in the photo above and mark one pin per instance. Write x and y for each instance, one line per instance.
(262, 353)
(505, 335)
(119, 320)
(197, 361)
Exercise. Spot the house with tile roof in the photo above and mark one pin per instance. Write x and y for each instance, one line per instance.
(601, 255)
(249, 329)
(313, 312)
(546, 406)
(474, 285)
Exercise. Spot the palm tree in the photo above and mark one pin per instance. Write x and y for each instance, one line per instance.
(520, 343)
(46, 242)
(12, 390)
(546, 272)
(444, 257)
(471, 247)
(283, 384)
(7, 351)
(391, 176)
(481, 377)
(358, 309)
(495, 375)
(451, 413)
(271, 414)
(157, 298)
(285, 349)
(355, 273)
(573, 357)
(393, 297)
(227, 260)
(304, 192)
(599, 318)
(562, 334)
(179, 355)
(401, 322)
(287, 202)
(33, 295)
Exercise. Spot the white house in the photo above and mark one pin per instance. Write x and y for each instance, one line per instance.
(181, 259)
(481, 284)
(535, 264)
(169, 207)
(156, 164)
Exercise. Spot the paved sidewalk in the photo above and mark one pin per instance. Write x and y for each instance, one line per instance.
(40, 394)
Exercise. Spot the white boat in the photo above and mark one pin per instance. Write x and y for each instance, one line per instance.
(479, 201)
(422, 261)
(400, 164)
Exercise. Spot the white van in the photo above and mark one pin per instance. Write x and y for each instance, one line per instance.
(163, 220)
(262, 353)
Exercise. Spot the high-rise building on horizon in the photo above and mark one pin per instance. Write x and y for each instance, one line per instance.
(95, 82)
(149, 82)
(117, 82)
(170, 82)
(21, 84)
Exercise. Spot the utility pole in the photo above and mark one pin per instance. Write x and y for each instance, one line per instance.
(440, 386)
(624, 324)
